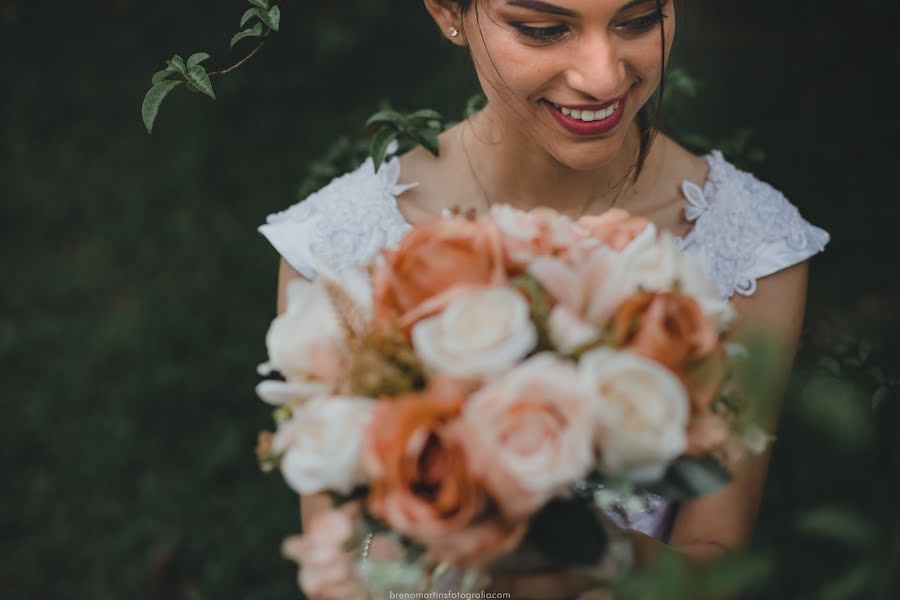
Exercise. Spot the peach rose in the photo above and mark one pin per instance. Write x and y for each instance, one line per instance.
(616, 227)
(326, 566)
(422, 485)
(435, 263)
(668, 327)
(528, 434)
(539, 232)
(587, 294)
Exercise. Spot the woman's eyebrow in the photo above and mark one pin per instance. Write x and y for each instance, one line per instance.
(544, 7)
(552, 9)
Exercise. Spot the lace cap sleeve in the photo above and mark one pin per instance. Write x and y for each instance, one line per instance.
(744, 229)
(342, 224)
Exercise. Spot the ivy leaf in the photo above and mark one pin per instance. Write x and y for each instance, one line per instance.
(272, 18)
(200, 79)
(385, 117)
(177, 63)
(153, 100)
(263, 4)
(164, 74)
(196, 59)
(255, 31)
(378, 145)
(251, 12)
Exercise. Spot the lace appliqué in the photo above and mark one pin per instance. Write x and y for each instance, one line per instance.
(744, 229)
(344, 223)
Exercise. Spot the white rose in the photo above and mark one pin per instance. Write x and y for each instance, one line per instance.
(640, 410)
(320, 445)
(662, 266)
(481, 334)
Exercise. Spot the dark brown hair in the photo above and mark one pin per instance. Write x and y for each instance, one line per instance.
(648, 131)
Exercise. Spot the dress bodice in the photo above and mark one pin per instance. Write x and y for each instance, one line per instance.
(743, 230)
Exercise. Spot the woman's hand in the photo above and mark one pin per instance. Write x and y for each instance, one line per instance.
(562, 584)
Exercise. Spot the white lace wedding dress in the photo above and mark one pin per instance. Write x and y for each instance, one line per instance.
(743, 229)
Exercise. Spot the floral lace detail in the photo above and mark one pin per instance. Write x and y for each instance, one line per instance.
(344, 223)
(744, 229)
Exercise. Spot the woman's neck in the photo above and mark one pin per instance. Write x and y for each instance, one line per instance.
(509, 169)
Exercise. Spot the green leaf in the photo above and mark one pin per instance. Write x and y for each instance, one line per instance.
(830, 365)
(429, 139)
(254, 31)
(865, 350)
(271, 18)
(378, 145)
(164, 74)
(879, 396)
(153, 100)
(734, 574)
(424, 115)
(688, 478)
(177, 63)
(838, 409)
(849, 586)
(839, 524)
(391, 117)
(196, 59)
(200, 79)
(251, 12)
(263, 4)
(474, 104)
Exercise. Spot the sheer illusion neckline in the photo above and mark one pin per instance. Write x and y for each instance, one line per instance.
(690, 211)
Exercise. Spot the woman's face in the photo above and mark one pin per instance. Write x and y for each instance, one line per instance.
(570, 74)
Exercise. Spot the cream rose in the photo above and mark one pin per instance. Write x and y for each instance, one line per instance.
(481, 334)
(662, 265)
(320, 445)
(640, 412)
(528, 434)
(538, 232)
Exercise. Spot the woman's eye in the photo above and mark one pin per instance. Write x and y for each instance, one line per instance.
(643, 24)
(541, 34)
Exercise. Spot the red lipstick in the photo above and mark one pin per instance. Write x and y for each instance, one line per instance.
(589, 128)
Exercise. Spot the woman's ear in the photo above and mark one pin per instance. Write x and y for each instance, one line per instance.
(446, 14)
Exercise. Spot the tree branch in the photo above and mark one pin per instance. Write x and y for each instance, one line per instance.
(246, 59)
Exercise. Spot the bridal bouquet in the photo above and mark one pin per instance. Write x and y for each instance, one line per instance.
(477, 393)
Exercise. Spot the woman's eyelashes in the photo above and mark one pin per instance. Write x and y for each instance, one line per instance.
(636, 26)
(541, 34)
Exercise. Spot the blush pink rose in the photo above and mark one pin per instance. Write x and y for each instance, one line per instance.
(539, 232)
(326, 566)
(616, 227)
(528, 434)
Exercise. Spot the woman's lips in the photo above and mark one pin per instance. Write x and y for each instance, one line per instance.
(589, 128)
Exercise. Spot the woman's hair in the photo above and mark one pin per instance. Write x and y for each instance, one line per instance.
(648, 131)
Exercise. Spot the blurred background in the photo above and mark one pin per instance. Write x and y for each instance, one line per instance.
(136, 291)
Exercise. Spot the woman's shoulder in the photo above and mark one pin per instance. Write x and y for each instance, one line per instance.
(343, 223)
(744, 227)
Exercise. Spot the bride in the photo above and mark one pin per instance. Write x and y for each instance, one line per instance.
(567, 125)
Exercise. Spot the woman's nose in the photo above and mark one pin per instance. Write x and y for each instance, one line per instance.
(596, 69)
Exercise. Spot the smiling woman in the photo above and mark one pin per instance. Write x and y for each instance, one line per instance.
(567, 125)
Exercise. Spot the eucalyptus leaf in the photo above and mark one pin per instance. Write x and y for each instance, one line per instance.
(153, 100)
(164, 74)
(200, 79)
(254, 31)
(263, 4)
(379, 144)
(272, 18)
(251, 12)
(196, 59)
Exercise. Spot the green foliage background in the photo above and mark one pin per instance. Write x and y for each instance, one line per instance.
(136, 291)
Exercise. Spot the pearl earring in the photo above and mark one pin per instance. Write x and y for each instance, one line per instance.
(454, 32)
